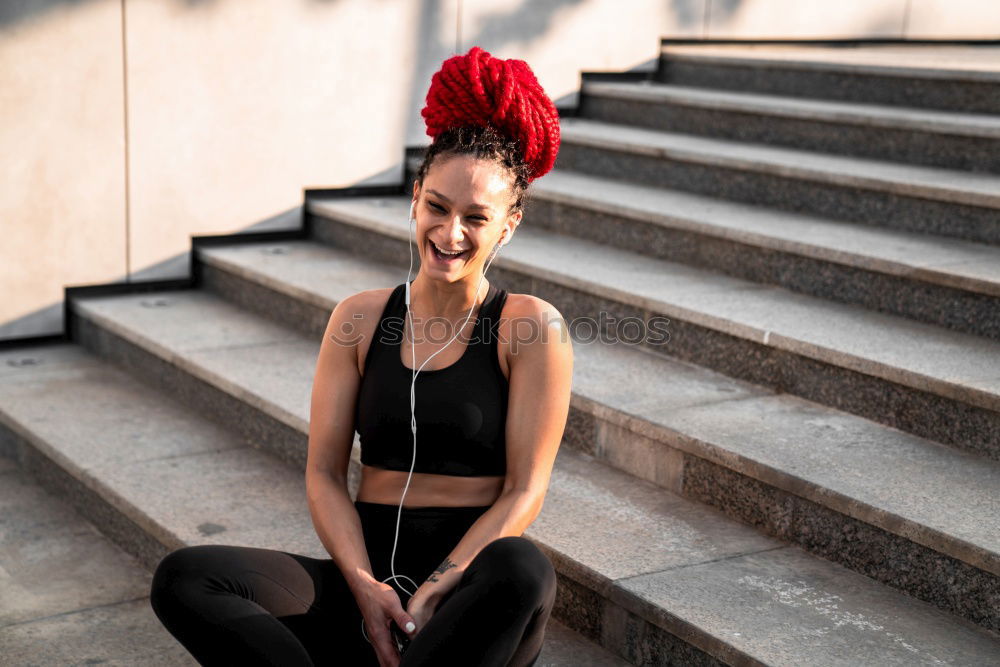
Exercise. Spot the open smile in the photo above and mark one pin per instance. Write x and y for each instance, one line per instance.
(446, 258)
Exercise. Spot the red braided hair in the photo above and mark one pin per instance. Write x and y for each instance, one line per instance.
(478, 89)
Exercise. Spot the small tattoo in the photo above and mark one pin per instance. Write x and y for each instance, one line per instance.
(441, 569)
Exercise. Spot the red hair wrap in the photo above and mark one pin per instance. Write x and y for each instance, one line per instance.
(478, 89)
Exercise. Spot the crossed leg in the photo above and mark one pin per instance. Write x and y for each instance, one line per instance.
(234, 605)
(497, 613)
(251, 606)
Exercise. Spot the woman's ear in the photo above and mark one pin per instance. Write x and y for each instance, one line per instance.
(413, 201)
(511, 228)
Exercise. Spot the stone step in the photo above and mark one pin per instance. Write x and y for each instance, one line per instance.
(931, 200)
(153, 477)
(682, 583)
(948, 282)
(938, 384)
(958, 78)
(949, 139)
(839, 485)
(68, 595)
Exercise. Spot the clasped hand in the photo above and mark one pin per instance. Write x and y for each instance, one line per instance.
(380, 605)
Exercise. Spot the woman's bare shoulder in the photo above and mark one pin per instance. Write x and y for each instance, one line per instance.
(530, 306)
(369, 302)
(527, 320)
(360, 316)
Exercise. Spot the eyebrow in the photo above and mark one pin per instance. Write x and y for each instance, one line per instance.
(435, 192)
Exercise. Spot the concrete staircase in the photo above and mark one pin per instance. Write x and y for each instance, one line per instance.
(805, 472)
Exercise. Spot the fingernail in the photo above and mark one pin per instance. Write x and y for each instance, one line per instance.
(410, 627)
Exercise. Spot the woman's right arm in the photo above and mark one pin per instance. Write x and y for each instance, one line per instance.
(331, 436)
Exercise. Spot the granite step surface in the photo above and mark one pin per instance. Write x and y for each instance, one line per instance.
(151, 477)
(844, 487)
(681, 581)
(962, 78)
(68, 594)
(902, 134)
(879, 193)
(942, 281)
(939, 384)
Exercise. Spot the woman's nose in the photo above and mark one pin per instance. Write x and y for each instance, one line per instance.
(455, 232)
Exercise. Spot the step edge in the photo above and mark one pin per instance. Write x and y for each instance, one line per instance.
(849, 361)
(586, 133)
(811, 109)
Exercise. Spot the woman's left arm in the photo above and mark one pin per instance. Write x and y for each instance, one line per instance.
(541, 374)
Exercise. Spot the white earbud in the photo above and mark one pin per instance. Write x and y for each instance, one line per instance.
(501, 242)
(412, 221)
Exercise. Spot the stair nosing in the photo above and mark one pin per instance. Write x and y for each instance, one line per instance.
(811, 109)
(751, 332)
(181, 361)
(921, 533)
(930, 73)
(596, 199)
(612, 588)
(782, 162)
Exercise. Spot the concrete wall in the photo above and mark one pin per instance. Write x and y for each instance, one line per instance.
(129, 125)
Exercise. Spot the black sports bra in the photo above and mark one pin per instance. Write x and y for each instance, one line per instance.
(461, 409)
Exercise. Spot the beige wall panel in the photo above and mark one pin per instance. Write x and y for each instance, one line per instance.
(969, 19)
(62, 198)
(236, 106)
(806, 19)
(559, 38)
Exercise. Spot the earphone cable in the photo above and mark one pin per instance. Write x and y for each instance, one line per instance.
(413, 383)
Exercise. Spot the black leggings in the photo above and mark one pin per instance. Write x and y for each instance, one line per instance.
(250, 606)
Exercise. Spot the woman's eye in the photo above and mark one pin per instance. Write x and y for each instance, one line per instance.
(440, 209)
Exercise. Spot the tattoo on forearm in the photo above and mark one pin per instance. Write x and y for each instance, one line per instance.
(441, 569)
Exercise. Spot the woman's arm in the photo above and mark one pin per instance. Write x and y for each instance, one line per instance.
(541, 374)
(331, 436)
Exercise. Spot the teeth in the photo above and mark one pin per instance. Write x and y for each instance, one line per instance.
(445, 252)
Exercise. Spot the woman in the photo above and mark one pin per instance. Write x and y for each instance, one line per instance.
(440, 511)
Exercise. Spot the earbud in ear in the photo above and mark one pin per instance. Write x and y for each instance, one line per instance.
(412, 204)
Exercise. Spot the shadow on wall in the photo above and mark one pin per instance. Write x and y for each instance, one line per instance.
(14, 11)
(713, 19)
(527, 22)
(687, 13)
(692, 17)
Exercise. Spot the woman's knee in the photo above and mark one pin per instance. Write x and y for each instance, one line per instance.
(175, 571)
(517, 561)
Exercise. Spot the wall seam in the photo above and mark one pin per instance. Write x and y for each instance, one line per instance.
(128, 203)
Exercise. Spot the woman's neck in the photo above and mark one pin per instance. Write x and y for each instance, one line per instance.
(434, 298)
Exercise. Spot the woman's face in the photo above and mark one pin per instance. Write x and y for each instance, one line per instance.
(462, 206)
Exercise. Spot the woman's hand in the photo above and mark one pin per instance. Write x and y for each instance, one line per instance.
(420, 608)
(379, 604)
(427, 599)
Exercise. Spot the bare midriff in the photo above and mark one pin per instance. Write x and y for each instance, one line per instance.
(379, 485)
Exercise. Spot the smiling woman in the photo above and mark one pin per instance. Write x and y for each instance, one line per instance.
(442, 252)
(455, 227)
(488, 420)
